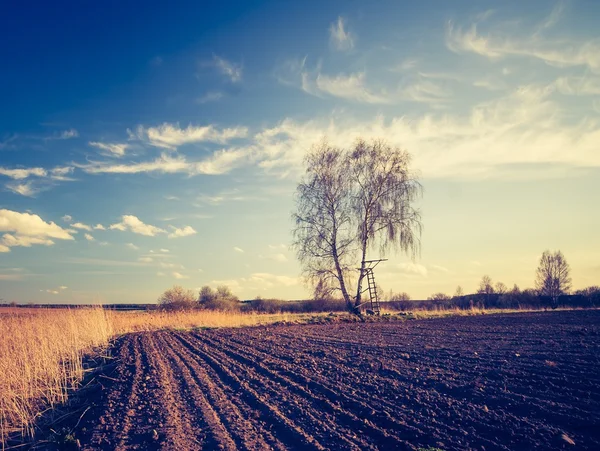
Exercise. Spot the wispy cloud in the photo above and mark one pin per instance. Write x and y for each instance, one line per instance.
(211, 96)
(171, 136)
(238, 249)
(231, 70)
(65, 134)
(351, 87)
(339, 37)
(116, 150)
(500, 44)
(180, 276)
(89, 237)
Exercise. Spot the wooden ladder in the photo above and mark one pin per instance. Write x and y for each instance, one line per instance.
(375, 308)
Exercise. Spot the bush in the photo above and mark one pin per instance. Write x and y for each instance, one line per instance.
(220, 299)
(177, 298)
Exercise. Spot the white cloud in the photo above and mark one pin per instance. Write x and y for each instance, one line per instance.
(133, 224)
(584, 85)
(180, 276)
(350, 87)
(231, 70)
(498, 45)
(258, 282)
(165, 251)
(65, 134)
(24, 240)
(281, 258)
(146, 259)
(28, 224)
(20, 174)
(211, 96)
(116, 150)
(68, 134)
(89, 237)
(132, 246)
(60, 173)
(412, 269)
(27, 189)
(238, 249)
(171, 136)
(439, 268)
(27, 229)
(181, 232)
(67, 218)
(99, 227)
(219, 162)
(339, 37)
(81, 226)
(62, 287)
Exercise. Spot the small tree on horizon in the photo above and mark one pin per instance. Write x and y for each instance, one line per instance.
(553, 276)
(351, 201)
(459, 293)
(177, 298)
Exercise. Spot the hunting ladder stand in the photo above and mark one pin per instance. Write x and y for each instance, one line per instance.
(371, 287)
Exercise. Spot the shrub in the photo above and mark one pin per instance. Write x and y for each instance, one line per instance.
(220, 299)
(177, 298)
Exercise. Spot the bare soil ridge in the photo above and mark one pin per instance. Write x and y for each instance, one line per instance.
(502, 382)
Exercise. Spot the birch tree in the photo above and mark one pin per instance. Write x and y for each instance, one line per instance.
(350, 202)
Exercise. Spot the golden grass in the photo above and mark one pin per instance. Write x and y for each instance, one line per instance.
(125, 322)
(41, 357)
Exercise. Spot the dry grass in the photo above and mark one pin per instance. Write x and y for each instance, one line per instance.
(125, 322)
(41, 356)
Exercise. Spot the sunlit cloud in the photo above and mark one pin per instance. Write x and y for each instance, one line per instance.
(133, 224)
(27, 229)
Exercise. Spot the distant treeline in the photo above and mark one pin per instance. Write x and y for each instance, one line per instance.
(588, 298)
(122, 307)
(524, 299)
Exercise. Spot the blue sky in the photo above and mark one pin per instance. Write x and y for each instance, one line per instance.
(143, 146)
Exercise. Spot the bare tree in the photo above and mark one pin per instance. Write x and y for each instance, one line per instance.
(501, 288)
(553, 276)
(459, 293)
(350, 202)
(485, 286)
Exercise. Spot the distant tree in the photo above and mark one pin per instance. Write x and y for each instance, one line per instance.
(396, 297)
(591, 294)
(349, 202)
(439, 297)
(501, 288)
(459, 293)
(485, 286)
(553, 276)
(220, 299)
(323, 290)
(177, 298)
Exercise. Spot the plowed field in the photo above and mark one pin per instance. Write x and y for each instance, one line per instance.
(501, 382)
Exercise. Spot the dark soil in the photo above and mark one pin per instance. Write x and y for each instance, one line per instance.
(492, 382)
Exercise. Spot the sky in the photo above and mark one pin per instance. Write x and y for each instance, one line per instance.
(143, 146)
